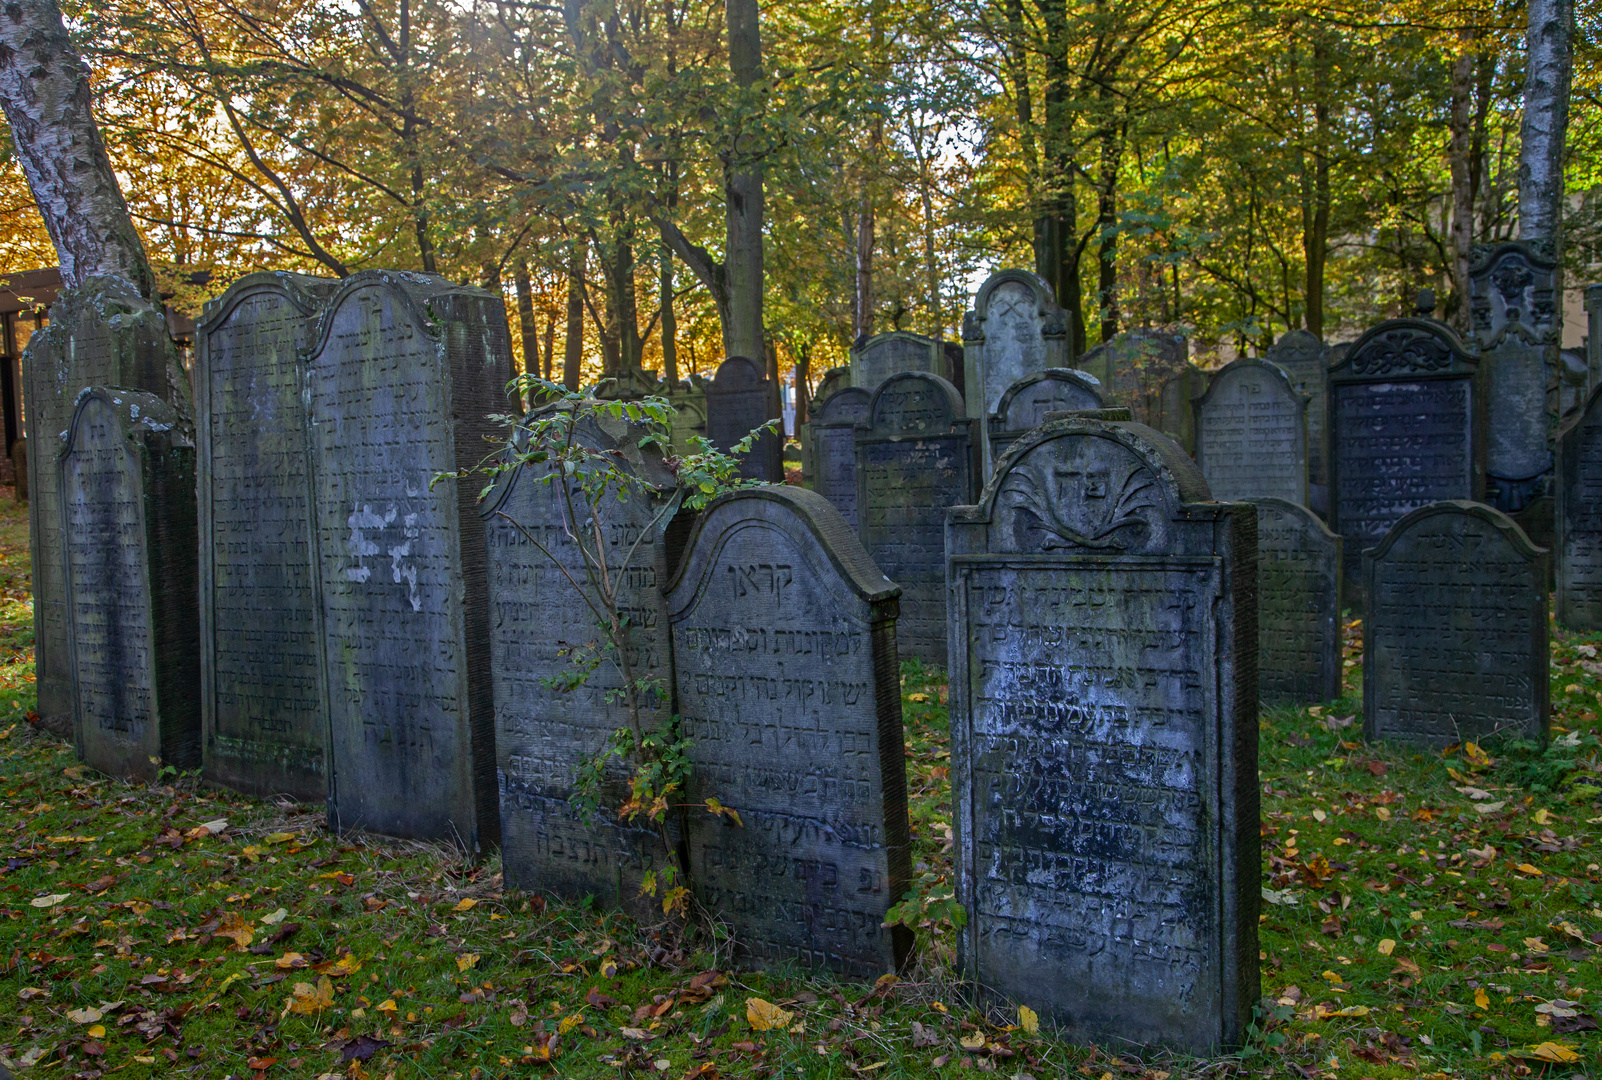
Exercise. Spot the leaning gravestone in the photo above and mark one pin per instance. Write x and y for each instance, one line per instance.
(100, 334)
(126, 484)
(1104, 738)
(1026, 403)
(1455, 639)
(1014, 329)
(784, 643)
(738, 399)
(1304, 360)
(1404, 431)
(832, 452)
(261, 697)
(1579, 519)
(916, 455)
(1298, 605)
(402, 377)
(1250, 435)
(875, 359)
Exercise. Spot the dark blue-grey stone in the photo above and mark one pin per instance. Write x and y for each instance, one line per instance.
(1026, 403)
(1298, 605)
(738, 399)
(830, 449)
(1251, 439)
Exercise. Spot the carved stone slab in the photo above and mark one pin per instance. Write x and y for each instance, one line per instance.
(1455, 641)
(916, 455)
(1250, 436)
(1104, 738)
(1305, 361)
(1150, 372)
(261, 695)
(739, 398)
(1015, 329)
(1579, 519)
(689, 418)
(1298, 605)
(875, 359)
(784, 641)
(836, 378)
(126, 479)
(403, 373)
(1026, 403)
(1512, 298)
(831, 449)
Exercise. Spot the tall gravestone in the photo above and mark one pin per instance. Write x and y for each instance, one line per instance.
(1104, 738)
(740, 398)
(1298, 605)
(1405, 430)
(1578, 512)
(1149, 372)
(916, 456)
(875, 359)
(835, 379)
(1305, 361)
(126, 486)
(832, 452)
(100, 334)
(403, 374)
(1593, 339)
(1027, 402)
(688, 399)
(263, 723)
(1455, 639)
(1251, 438)
(1015, 329)
(784, 644)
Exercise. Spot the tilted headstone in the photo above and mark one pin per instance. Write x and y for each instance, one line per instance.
(1305, 361)
(1015, 329)
(784, 644)
(100, 334)
(403, 374)
(1104, 738)
(1405, 429)
(1027, 402)
(689, 412)
(1250, 436)
(740, 398)
(1455, 637)
(875, 359)
(1298, 605)
(261, 696)
(1150, 372)
(1578, 547)
(832, 452)
(916, 455)
(126, 484)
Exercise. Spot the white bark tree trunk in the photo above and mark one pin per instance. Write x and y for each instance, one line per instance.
(1546, 119)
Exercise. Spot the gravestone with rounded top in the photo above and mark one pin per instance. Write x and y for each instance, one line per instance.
(1015, 329)
(1578, 524)
(1298, 605)
(1304, 360)
(875, 359)
(832, 452)
(739, 399)
(688, 399)
(1026, 403)
(1150, 372)
(1250, 436)
(835, 379)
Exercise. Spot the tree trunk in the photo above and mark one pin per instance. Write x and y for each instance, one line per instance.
(44, 89)
(1315, 202)
(670, 321)
(862, 320)
(1107, 224)
(525, 319)
(573, 350)
(744, 205)
(1459, 150)
(1546, 120)
(1057, 227)
(550, 348)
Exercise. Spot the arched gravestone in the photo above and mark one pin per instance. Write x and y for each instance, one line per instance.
(916, 455)
(1014, 329)
(875, 359)
(537, 617)
(1104, 738)
(1455, 639)
(832, 452)
(403, 374)
(1405, 423)
(100, 334)
(1250, 436)
(689, 412)
(126, 483)
(1027, 402)
(784, 643)
(1298, 605)
(263, 725)
(835, 379)
(738, 399)
(1305, 361)
(1579, 519)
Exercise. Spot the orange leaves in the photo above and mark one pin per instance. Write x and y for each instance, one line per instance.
(308, 1000)
(235, 927)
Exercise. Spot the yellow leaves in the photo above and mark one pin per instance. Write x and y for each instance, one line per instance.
(1476, 757)
(1542, 817)
(98, 1031)
(1387, 946)
(236, 928)
(1481, 1001)
(1557, 1053)
(467, 903)
(1322, 1013)
(1383, 813)
(275, 918)
(976, 1041)
(1527, 868)
(280, 837)
(1332, 977)
(676, 899)
(388, 1006)
(1536, 945)
(765, 1016)
(307, 1000)
(252, 853)
(1319, 816)
(717, 809)
(291, 961)
(50, 901)
(72, 839)
(569, 1023)
(339, 969)
(467, 961)
(1029, 1020)
(918, 699)
(1572, 931)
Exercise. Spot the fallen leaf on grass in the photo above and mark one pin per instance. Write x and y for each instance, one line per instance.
(388, 1005)
(1351, 1010)
(235, 927)
(1547, 1051)
(1526, 868)
(360, 1048)
(972, 1042)
(50, 901)
(1387, 946)
(307, 999)
(1480, 999)
(28, 993)
(765, 1016)
(1489, 807)
(275, 918)
(281, 838)
(923, 1037)
(340, 968)
(1557, 1007)
(467, 961)
(636, 1034)
(290, 961)
(84, 1016)
(467, 903)
(1029, 1020)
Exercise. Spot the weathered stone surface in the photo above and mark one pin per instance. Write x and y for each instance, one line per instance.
(1455, 640)
(875, 359)
(1579, 519)
(403, 374)
(1405, 431)
(1026, 403)
(100, 334)
(784, 642)
(1250, 435)
(916, 455)
(740, 398)
(689, 416)
(1104, 738)
(262, 712)
(1305, 361)
(835, 379)
(1298, 605)
(1014, 329)
(1150, 372)
(830, 447)
(126, 484)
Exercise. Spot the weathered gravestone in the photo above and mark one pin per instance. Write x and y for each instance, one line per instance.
(831, 449)
(688, 399)
(126, 484)
(1455, 639)
(542, 630)
(1298, 605)
(1104, 738)
(1579, 519)
(1305, 361)
(916, 455)
(1014, 329)
(1027, 402)
(1405, 427)
(100, 334)
(1150, 372)
(784, 644)
(835, 379)
(1593, 339)
(261, 697)
(404, 372)
(738, 399)
(1250, 435)
(875, 359)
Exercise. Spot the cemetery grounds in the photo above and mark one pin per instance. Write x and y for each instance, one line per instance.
(1424, 915)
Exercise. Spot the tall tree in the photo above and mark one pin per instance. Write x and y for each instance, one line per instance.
(1549, 71)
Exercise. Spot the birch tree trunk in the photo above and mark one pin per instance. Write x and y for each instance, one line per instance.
(1546, 119)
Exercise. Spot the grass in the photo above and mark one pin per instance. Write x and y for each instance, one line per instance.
(1430, 915)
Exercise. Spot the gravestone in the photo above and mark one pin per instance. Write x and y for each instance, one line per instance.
(262, 713)
(1593, 338)
(784, 644)
(102, 333)
(835, 379)
(1405, 422)
(403, 374)
(1578, 546)
(738, 399)
(1305, 361)
(126, 484)
(1104, 739)
(875, 359)
(1027, 402)
(1455, 639)
(1250, 436)
(1150, 372)
(915, 455)
(832, 452)
(1298, 605)
(689, 412)
(1015, 329)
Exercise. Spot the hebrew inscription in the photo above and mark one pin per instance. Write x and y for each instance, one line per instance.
(1250, 438)
(1579, 520)
(1298, 605)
